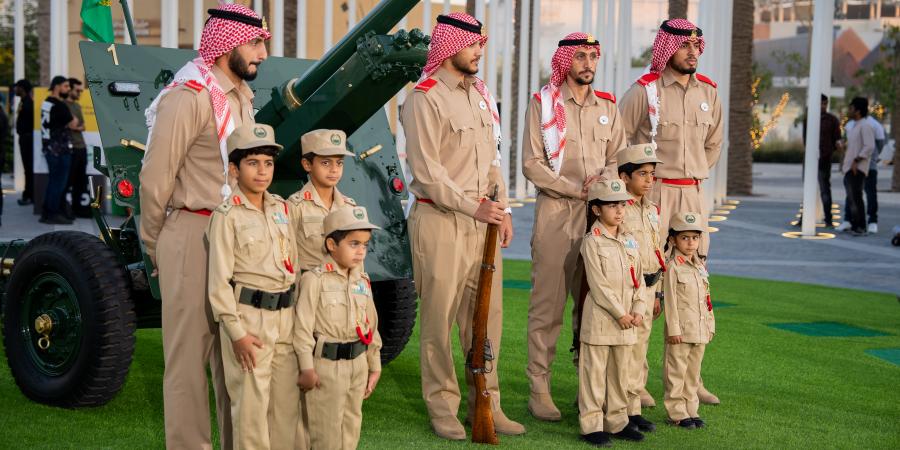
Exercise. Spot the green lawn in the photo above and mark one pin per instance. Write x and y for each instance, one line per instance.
(779, 389)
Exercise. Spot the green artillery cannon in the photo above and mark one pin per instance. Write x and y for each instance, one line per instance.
(72, 301)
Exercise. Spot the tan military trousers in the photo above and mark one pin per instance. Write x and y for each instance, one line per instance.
(270, 391)
(190, 336)
(638, 369)
(602, 387)
(682, 379)
(447, 250)
(673, 199)
(559, 227)
(335, 407)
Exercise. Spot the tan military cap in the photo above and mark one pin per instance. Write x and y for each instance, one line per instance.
(689, 221)
(609, 191)
(638, 154)
(347, 219)
(252, 135)
(325, 143)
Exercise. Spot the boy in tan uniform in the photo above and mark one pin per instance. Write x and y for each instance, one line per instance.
(690, 323)
(251, 279)
(637, 165)
(613, 308)
(337, 325)
(562, 161)
(323, 159)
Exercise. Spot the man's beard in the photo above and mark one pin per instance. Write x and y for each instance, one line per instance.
(585, 79)
(240, 67)
(683, 70)
(464, 67)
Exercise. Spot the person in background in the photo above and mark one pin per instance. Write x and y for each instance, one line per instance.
(829, 141)
(25, 130)
(57, 123)
(860, 148)
(77, 184)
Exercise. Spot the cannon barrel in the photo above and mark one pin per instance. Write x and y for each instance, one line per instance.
(296, 91)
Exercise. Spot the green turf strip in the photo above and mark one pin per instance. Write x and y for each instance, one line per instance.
(827, 329)
(722, 305)
(891, 355)
(516, 284)
(778, 390)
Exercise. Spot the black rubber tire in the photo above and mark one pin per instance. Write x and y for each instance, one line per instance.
(108, 321)
(396, 303)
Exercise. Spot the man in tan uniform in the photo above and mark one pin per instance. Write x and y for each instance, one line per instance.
(451, 126)
(679, 110)
(323, 160)
(637, 164)
(336, 334)
(251, 294)
(183, 179)
(562, 159)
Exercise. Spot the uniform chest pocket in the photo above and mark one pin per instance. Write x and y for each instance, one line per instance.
(703, 121)
(602, 133)
(313, 226)
(609, 259)
(251, 238)
(687, 289)
(668, 131)
(463, 131)
(335, 304)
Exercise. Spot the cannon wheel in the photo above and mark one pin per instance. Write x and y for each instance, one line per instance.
(395, 301)
(73, 283)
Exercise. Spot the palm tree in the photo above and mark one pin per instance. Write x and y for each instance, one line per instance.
(678, 9)
(740, 156)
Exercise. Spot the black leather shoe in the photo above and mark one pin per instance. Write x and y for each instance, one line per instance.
(698, 422)
(687, 424)
(629, 434)
(597, 439)
(25, 201)
(641, 423)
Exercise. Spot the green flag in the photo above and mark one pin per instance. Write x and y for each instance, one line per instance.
(96, 16)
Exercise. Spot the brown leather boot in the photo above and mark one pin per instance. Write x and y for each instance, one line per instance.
(542, 408)
(448, 428)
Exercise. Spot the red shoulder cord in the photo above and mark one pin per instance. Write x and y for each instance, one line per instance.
(634, 279)
(365, 339)
(708, 303)
(659, 258)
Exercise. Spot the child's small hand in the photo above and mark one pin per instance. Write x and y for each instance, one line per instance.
(244, 352)
(370, 385)
(308, 380)
(637, 319)
(657, 309)
(674, 339)
(625, 321)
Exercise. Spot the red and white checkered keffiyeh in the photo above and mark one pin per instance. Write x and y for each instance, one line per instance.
(553, 111)
(665, 45)
(446, 41)
(219, 37)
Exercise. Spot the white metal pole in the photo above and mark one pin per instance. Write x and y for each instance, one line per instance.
(426, 16)
(328, 31)
(168, 28)
(524, 39)
(277, 27)
(506, 112)
(446, 7)
(609, 39)
(479, 15)
(198, 22)
(18, 74)
(586, 15)
(725, 99)
(495, 43)
(64, 38)
(707, 20)
(534, 75)
(823, 17)
(351, 14)
(301, 28)
(126, 37)
(623, 56)
(258, 6)
(54, 37)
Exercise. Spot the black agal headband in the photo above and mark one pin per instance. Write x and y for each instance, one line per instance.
(696, 32)
(589, 40)
(236, 17)
(447, 20)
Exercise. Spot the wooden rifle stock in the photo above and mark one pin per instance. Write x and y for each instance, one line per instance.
(582, 293)
(483, 431)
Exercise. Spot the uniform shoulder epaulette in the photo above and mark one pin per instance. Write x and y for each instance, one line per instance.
(327, 267)
(537, 96)
(295, 198)
(349, 201)
(647, 78)
(595, 231)
(194, 85)
(605, 95)
(426, 85)
(224, 208)
(706, 80)
(317, 271)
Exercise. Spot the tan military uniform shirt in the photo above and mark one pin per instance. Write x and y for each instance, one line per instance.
(308, 214)
(332, 303)
(642, 221)
(252, 249)
(450, 144)
(591, 144)
(183, 165)
(689, 135)
(687, 303)
(609, 261)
